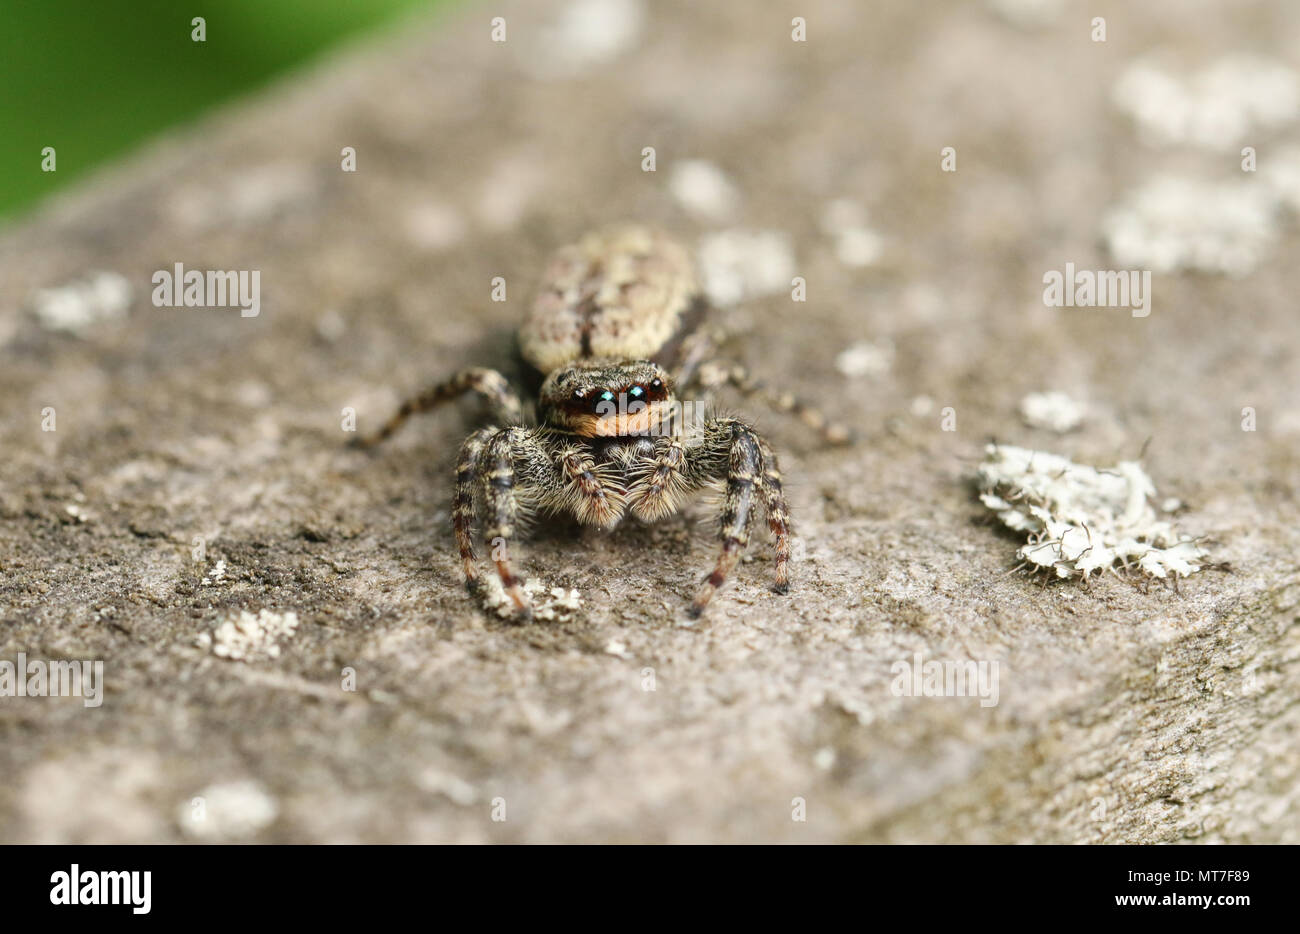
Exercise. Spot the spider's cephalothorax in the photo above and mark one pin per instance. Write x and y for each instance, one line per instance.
(616, 338)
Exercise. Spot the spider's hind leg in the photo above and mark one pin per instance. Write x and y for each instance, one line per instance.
(718, 373)
(491, 385)
(778, 516)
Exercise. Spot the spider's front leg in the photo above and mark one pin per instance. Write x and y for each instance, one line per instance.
(505, 489)
(462, 510)
(489, 384)
(733, 451)
(517, 471)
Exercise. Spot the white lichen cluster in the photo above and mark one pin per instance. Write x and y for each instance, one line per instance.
(586, 34)
(77, 306)
(866, 358)
(1175, 223)
(250, 636)
(227, 811)
(1217, 108)
(553, 604)
(704, 190)
(1082, 520)
(433, 225)
(1054, 411)
(856, 243)
(79, 512)
(451, 786)
(1280, 173)
(243, 196)
(736, 265)
(215, 577)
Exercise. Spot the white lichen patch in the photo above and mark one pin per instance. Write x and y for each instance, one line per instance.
(79, 512)
(1281, 173)
(1080, 519)
(1217, 108)
(216, 576)
(228, 811)
(249, 636)
(866, 358)
(433, 226)
(1175, 223)
(856, 244)
(703, 190)
(449, 785)
(1054, 411)
(824, 759)
(587, 33)
(554, 604)
(617, 648)
(331, 326)
(245, 196)
(77, 306)
(510, 189)
(736, 265)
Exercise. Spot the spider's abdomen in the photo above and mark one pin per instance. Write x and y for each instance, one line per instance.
(623, 293)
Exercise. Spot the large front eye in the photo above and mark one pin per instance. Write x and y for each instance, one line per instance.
(637, 393)
(601, 404)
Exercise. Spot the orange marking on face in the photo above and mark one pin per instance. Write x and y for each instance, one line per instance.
(618, 424)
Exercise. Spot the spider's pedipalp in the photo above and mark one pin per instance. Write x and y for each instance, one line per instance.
(660, 485)
(588, 493)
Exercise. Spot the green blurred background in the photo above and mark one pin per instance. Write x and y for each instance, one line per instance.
(94, 78)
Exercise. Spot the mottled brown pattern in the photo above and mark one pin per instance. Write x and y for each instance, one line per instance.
(621, 293)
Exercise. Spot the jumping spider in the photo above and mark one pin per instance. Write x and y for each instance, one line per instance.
(616, 338)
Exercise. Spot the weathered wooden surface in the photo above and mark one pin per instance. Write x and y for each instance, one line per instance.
(1123, 715)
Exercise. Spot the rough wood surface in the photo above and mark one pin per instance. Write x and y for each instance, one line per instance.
(1124, 715)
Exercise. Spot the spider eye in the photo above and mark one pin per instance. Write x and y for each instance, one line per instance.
(602, 401)
(636, 392)
(656, 383)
